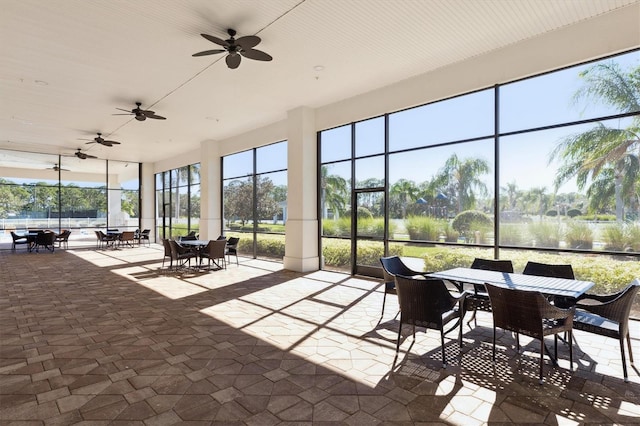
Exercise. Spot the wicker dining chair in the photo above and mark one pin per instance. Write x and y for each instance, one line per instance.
(531, 314)
(553, 271)
(181, 255)
(479, 300)
(215, 252)
(428, 303)
(232, 248)
(392, 266)
(608, 315)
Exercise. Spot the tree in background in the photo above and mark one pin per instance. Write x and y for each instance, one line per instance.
(605, 151)
(460, 180)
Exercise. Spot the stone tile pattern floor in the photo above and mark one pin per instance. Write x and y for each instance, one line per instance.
(104, 337)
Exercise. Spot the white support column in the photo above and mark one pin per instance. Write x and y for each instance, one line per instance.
(210, 193)
(301, 247)
(148, 194)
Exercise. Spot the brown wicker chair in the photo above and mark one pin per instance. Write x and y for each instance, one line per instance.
(180, 254)
(127, 238)
(531, 314)
(428, 303)
(479, 300)
(215, 252)
(63, 239)
(167, 253)
(392, 266)
(608, 315)
(18, 239)
(553, 271)
(232, 248)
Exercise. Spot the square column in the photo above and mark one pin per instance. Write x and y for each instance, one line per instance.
(210, 193)
(301, 247)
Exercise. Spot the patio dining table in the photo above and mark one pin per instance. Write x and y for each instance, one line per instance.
(545, 285)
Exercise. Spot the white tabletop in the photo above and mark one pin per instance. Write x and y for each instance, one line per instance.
(545, 285)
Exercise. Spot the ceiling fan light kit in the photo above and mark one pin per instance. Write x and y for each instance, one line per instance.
(236, 48)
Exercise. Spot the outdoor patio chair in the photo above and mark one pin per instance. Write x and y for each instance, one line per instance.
(531, 314)
(232, 248)
(428, 303)
(181, 255)
(144, 237)
(553, 271)
(127, 238)
(392, 266)
(167, 253)
(45, 239)
(215, 252)
(18, 239)
(63, 239)
(479, 300)
(608, 315)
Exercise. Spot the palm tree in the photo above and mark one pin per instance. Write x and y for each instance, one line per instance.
(512, 194)
(460, 178)
(588, 154)
(404, 190)
(334, 194)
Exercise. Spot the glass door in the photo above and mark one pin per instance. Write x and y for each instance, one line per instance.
(370, 230)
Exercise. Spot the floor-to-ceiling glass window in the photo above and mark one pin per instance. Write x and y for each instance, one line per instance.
(57, 192)
(546, 168)
(254, 197)
(178, 201)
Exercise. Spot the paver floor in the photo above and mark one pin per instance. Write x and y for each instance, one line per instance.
(106, 337)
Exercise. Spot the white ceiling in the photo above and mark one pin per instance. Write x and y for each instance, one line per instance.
(66, 65)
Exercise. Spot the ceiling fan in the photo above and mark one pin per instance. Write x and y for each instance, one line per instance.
(101, 141)
(141, 114)
(244, 46)
(82, 155)
(57, 168)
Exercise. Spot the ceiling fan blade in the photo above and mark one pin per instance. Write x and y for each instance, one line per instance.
(123, 114)
(258, 55)
(156, 117)
(216, 40)
(209, 52)
(122, 109)
(109, 143)
(247, 42)
(233, 61)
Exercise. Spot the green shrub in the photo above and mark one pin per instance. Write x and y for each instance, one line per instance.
(423, 228)
(573, 213)
(614, 237)
(337, 227)
(373, 227)
(450, 234)
(579, 235)
(551, 213)
(632, 237)
(469, 221)
(512, 234)
(337, 253)
(545, 234)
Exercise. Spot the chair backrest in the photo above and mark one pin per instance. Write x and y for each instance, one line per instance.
(167, 247)
(146, 232)
(549, 270)
(127, 236)
(233, 242)
(16, 236)
(619, 308)
(221, 237)
(216, 249)
(493, 265)
(393, 266)
(423, 301)
(517, 310)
